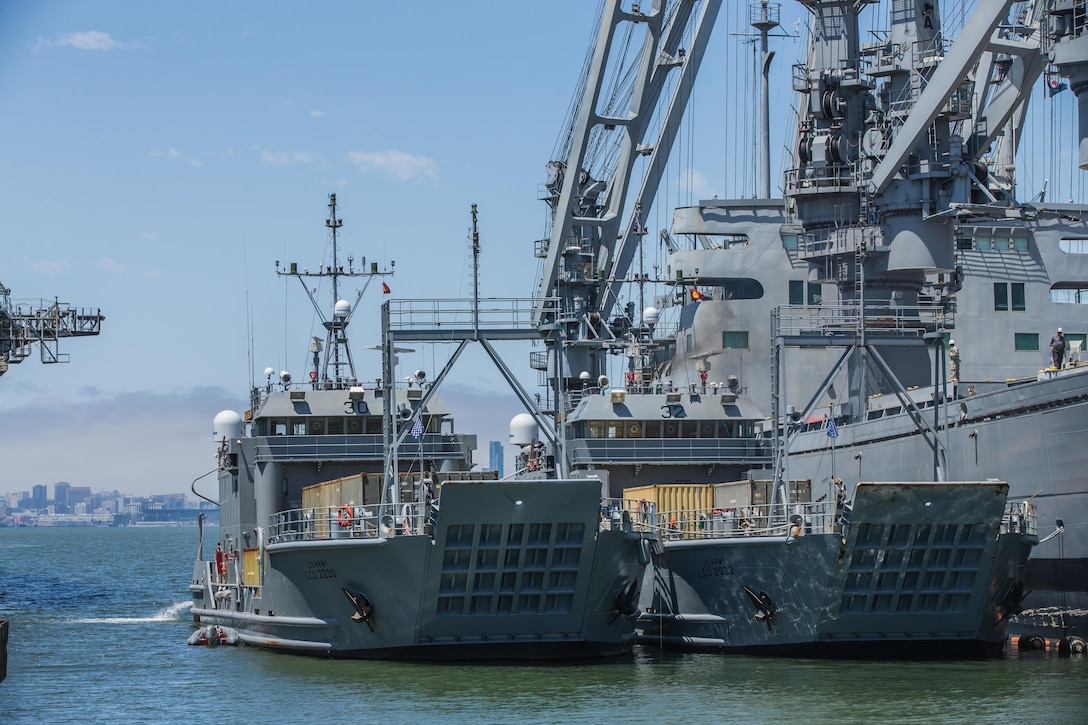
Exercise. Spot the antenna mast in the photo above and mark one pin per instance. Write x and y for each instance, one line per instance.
(337, 353)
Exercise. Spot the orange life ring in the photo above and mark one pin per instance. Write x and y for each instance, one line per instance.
(344, 516)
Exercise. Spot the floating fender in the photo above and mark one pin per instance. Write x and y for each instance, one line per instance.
(1032, 641)
(1074, 645)
(644, 551)
(213, 635)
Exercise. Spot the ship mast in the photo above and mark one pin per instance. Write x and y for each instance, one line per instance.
(764, 18)
(337, 353)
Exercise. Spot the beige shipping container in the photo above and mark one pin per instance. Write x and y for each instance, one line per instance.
(359, 490)
(756, 493)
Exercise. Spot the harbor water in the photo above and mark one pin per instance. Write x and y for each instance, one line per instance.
(99, 622)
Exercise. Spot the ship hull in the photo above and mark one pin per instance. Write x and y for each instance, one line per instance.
(922, 569)
(1026, 435)
(505, 571)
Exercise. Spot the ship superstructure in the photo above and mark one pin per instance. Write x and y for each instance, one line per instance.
(352, 525)
(899, 231)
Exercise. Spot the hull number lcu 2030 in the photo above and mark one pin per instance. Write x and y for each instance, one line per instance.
(319, 569)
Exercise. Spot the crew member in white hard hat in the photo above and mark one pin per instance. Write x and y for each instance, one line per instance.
(1057, 349)
(954, 359)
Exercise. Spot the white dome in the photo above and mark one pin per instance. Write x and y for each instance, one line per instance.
(226, 424)
(523, 429)
(342, 308)
(651, 315)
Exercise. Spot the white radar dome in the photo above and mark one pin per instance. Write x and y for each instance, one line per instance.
(651, 315)
(523, 429)
(269, 372)
(342, 308)
(226, 424)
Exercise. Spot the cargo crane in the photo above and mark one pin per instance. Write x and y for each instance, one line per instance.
(26, 322)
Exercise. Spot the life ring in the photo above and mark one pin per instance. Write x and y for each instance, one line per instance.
(344, 516)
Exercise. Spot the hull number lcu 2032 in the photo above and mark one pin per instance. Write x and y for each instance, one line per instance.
(319, 569)
(715, 567)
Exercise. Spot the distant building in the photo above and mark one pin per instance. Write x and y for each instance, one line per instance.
(60, 496)
(496, 457)
(39, 497)
(79, 495)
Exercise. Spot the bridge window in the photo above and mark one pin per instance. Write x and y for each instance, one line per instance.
(1074, 246)
(797, 293)
(1066, 293)
(999, 239)
(735, 339)
(355, 426)
(726, 241)
(1003, 291)
(1027, 341)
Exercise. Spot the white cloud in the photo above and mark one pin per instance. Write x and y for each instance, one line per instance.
(49, 266)
(316, 114)
(695, 183)
(174, 155)
(107, 264)
(396, 164)
(286, 158)
(82, 40)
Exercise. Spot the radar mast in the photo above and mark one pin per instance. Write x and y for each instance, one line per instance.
(337, 352)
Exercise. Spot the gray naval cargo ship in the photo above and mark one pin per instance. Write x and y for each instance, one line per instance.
(352, 525)
(888, 320)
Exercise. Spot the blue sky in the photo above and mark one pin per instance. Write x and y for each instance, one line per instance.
(159, 158)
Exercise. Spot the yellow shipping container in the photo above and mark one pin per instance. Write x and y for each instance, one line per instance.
(673, 497)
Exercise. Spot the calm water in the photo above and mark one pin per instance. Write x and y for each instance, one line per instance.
(99, 623)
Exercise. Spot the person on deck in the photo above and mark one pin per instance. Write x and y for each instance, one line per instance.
(220, 563)
(954, 359)
(1057, 349)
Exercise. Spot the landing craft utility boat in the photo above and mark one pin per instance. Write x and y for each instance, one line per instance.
(899, 230)
(920, 569)
(327, 548)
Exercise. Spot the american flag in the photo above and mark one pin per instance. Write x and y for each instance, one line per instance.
(417, 428)
(832, 429)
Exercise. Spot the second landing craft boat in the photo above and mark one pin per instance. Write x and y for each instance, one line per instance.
(328, 549)
(909, 569)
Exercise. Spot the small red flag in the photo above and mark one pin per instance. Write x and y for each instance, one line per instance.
(385, 289)
(697, 295)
